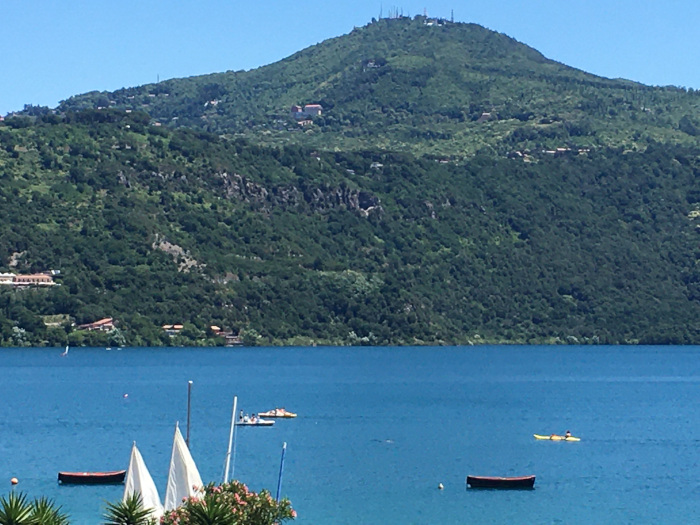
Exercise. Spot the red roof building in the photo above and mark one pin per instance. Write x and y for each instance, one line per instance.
(38, 279)
(103, 325)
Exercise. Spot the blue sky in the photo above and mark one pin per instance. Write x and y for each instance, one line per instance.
(52, 49)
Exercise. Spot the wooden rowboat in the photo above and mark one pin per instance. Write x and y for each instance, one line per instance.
(92, 478)
(494, 482)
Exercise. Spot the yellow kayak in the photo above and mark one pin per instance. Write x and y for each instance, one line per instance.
(555, 437)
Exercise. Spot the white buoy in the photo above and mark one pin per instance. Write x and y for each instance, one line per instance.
(440, 486)
(14, 481)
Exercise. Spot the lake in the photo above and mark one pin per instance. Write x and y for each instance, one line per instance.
(378, 428)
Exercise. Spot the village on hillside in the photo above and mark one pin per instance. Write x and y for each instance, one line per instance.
(105, 325)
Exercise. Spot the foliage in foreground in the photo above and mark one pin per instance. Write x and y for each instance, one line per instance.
(227, 504)
(231, 504)
(16, 509)
(129, 512)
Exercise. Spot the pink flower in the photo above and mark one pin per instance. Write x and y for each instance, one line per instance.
(294, 513)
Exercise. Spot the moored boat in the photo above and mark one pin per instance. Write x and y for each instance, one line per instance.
(92, 478)
(278, 412)
(254, 422)
(556, 437)
(495, 482)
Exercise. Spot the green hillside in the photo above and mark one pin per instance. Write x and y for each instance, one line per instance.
(445, 89)
(298, 245)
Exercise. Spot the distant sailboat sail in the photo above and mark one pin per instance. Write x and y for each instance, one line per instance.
(65, 352)
(139, 481)
(183, 475)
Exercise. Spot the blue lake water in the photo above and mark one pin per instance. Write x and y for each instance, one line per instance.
(378, 428)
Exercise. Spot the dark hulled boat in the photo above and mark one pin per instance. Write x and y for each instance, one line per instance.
(92, 478)
(494, 482)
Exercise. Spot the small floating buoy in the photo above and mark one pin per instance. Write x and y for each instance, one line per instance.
(440, 486)
(14, 481)
(125, 396)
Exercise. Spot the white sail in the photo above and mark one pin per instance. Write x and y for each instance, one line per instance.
(183, 475)
(139, 481)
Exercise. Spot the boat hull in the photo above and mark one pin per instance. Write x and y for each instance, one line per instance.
(92, 478)
(555, 437)
(494, 482)
(256, 423)
(278, 413)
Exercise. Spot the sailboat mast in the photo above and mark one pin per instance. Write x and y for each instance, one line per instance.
(230, 438)
(189, 404)
(279, 479)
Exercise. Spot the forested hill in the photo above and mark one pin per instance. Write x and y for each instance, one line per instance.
(422, 86)
(295, 245)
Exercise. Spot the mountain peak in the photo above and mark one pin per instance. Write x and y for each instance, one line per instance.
(417, 84)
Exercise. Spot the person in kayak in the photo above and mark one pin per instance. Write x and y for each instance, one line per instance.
(568, 434)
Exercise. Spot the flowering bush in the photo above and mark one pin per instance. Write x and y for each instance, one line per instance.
(230, 504)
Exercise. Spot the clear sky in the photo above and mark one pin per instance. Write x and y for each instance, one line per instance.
(52, 49)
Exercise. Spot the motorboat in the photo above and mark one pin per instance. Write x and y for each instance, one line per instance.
(556, 437)
(254, 422)
(278, 412)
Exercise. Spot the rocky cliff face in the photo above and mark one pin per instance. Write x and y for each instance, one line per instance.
(317, 199)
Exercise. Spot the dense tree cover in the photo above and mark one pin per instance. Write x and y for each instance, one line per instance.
(289, 245)
(402, 85)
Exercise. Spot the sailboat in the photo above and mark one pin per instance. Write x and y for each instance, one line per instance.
(183, 476)
(140, 482)
(65, 352)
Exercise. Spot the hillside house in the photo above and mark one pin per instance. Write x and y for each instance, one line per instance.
(38, 279)
(227, 335)
(233, 340)
(7, 278)
(309, 110)
(103, 325)
(485, 117)
(313, 110)
(172, 329)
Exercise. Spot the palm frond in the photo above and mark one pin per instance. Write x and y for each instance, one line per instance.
(15, 509)
(45, 512)
(128, 512)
